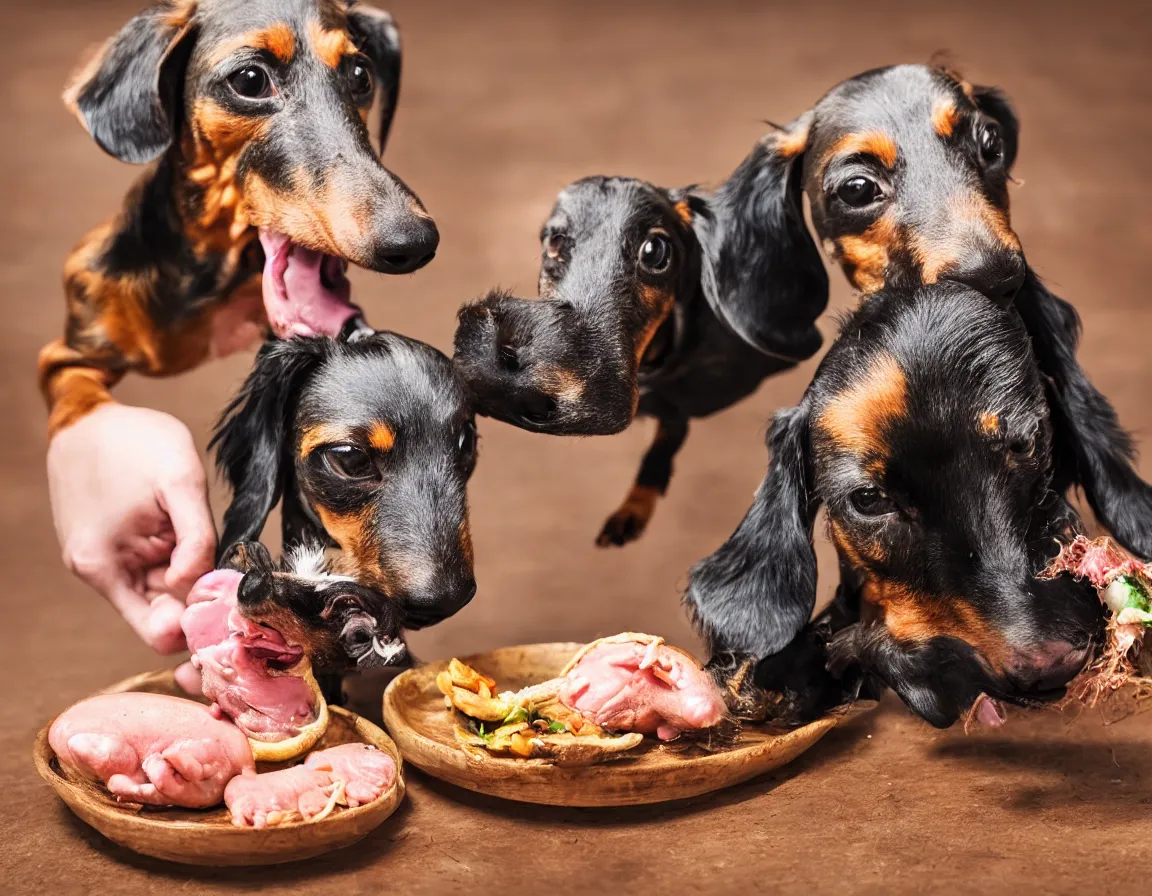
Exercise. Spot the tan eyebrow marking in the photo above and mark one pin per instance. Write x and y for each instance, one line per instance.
(872, 143)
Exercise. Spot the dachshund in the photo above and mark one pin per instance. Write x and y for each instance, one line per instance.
(342, 625)
(928, 436)
(653, 302)
(906, 171)
(265, 185)
(368, 443)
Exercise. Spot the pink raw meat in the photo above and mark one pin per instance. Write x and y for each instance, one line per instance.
(233, 655)
(645, 687)
(291, 794)
(348, 775)
(365, 771)
(151, 748)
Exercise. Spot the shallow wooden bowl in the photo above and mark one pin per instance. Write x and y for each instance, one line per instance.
(207, 836)
(424, 729)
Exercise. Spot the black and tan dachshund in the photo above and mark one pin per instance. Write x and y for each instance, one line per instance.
(368, 443)
(653, 302)
(906, 170)
(928, 439)
(255, 113)
(342, 625)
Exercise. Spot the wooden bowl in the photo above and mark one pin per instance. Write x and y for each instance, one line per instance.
(424, 729)
(207, 836)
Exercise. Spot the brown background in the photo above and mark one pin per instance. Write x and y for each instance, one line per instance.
(502, 105)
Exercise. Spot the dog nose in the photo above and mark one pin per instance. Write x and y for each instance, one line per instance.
(253, 588)
(409, 250)
(1046, 666)
(998, 275)
(437, 603)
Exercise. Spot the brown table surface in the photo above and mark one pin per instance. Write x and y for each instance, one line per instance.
(502, 105)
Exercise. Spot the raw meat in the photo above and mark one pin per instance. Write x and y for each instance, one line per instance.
(347, 775)
(253, 676)
(365, 771)
(634, 682)
(151, 748)
(292, 794)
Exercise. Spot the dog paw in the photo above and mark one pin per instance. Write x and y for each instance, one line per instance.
(630, 519)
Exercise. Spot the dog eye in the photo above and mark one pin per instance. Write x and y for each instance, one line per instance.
(991, 144)
(554, 245)
(871, 501)
(1023, 447)
(251, 82)
(858, 192)
(656, 253)
(350, 462)
(360, 78)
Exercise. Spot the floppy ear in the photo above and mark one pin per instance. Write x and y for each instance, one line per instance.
(995, 104)
(375, 34)
(761, 270)
(253, 436)
(756, 593)
(130, 95)
(1090, 447)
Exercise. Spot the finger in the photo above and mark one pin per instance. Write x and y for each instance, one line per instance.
(156, 581)
(164, 631)
(132, 605)
(187, 507)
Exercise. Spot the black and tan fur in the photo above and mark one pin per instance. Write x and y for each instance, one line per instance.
(175, 275)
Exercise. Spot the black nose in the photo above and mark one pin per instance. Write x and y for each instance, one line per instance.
(999, 275)
(438, 603)
(254, 587)
(408, 250)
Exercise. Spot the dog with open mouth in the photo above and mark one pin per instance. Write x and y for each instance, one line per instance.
(265, 186)
(367, 442)
(927, 436)
(653, 302)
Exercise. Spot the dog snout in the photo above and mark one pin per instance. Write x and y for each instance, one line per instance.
(997, 274)
(1046, 666)
(254, 588)
(407, 248)
(438, 601)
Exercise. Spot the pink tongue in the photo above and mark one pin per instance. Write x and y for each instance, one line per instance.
(296, 300)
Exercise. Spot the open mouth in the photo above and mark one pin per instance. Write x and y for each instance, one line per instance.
(306, 293)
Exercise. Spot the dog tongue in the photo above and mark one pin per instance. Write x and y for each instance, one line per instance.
(296, 299)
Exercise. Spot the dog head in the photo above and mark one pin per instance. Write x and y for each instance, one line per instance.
(263, 107)
(374, 441)
(625, 267)
(906, 171)
(926, 437)
(341, 624)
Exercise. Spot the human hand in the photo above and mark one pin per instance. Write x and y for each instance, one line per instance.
(129, 499)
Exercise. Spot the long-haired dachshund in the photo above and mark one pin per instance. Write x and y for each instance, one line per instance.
(368, 443)
(927, 436)
(906, 172)
(255, 114)
(654, 302)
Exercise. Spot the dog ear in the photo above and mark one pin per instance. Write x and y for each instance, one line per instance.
(252, 437)
(1090, 447)
(993, 102)
(130, 95)
(375, 34)
(756, 593)
(761, 270)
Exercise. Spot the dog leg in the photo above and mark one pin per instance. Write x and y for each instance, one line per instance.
(632, 516)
